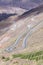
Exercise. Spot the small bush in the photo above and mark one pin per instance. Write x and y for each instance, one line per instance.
(3, 57)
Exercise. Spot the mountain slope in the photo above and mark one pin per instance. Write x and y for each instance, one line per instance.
(26, 4)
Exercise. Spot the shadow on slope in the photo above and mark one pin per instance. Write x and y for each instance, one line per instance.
(4, 16)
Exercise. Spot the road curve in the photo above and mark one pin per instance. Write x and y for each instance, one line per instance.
(32, 30)
(10, 48)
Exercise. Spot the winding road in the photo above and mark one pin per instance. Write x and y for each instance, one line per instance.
(32, 30)
(27, 33)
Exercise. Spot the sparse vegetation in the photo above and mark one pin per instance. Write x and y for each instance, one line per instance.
(18, 55)
(31, 56)
(6, 59)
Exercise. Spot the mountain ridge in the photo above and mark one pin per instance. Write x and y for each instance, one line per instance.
(38, 10)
